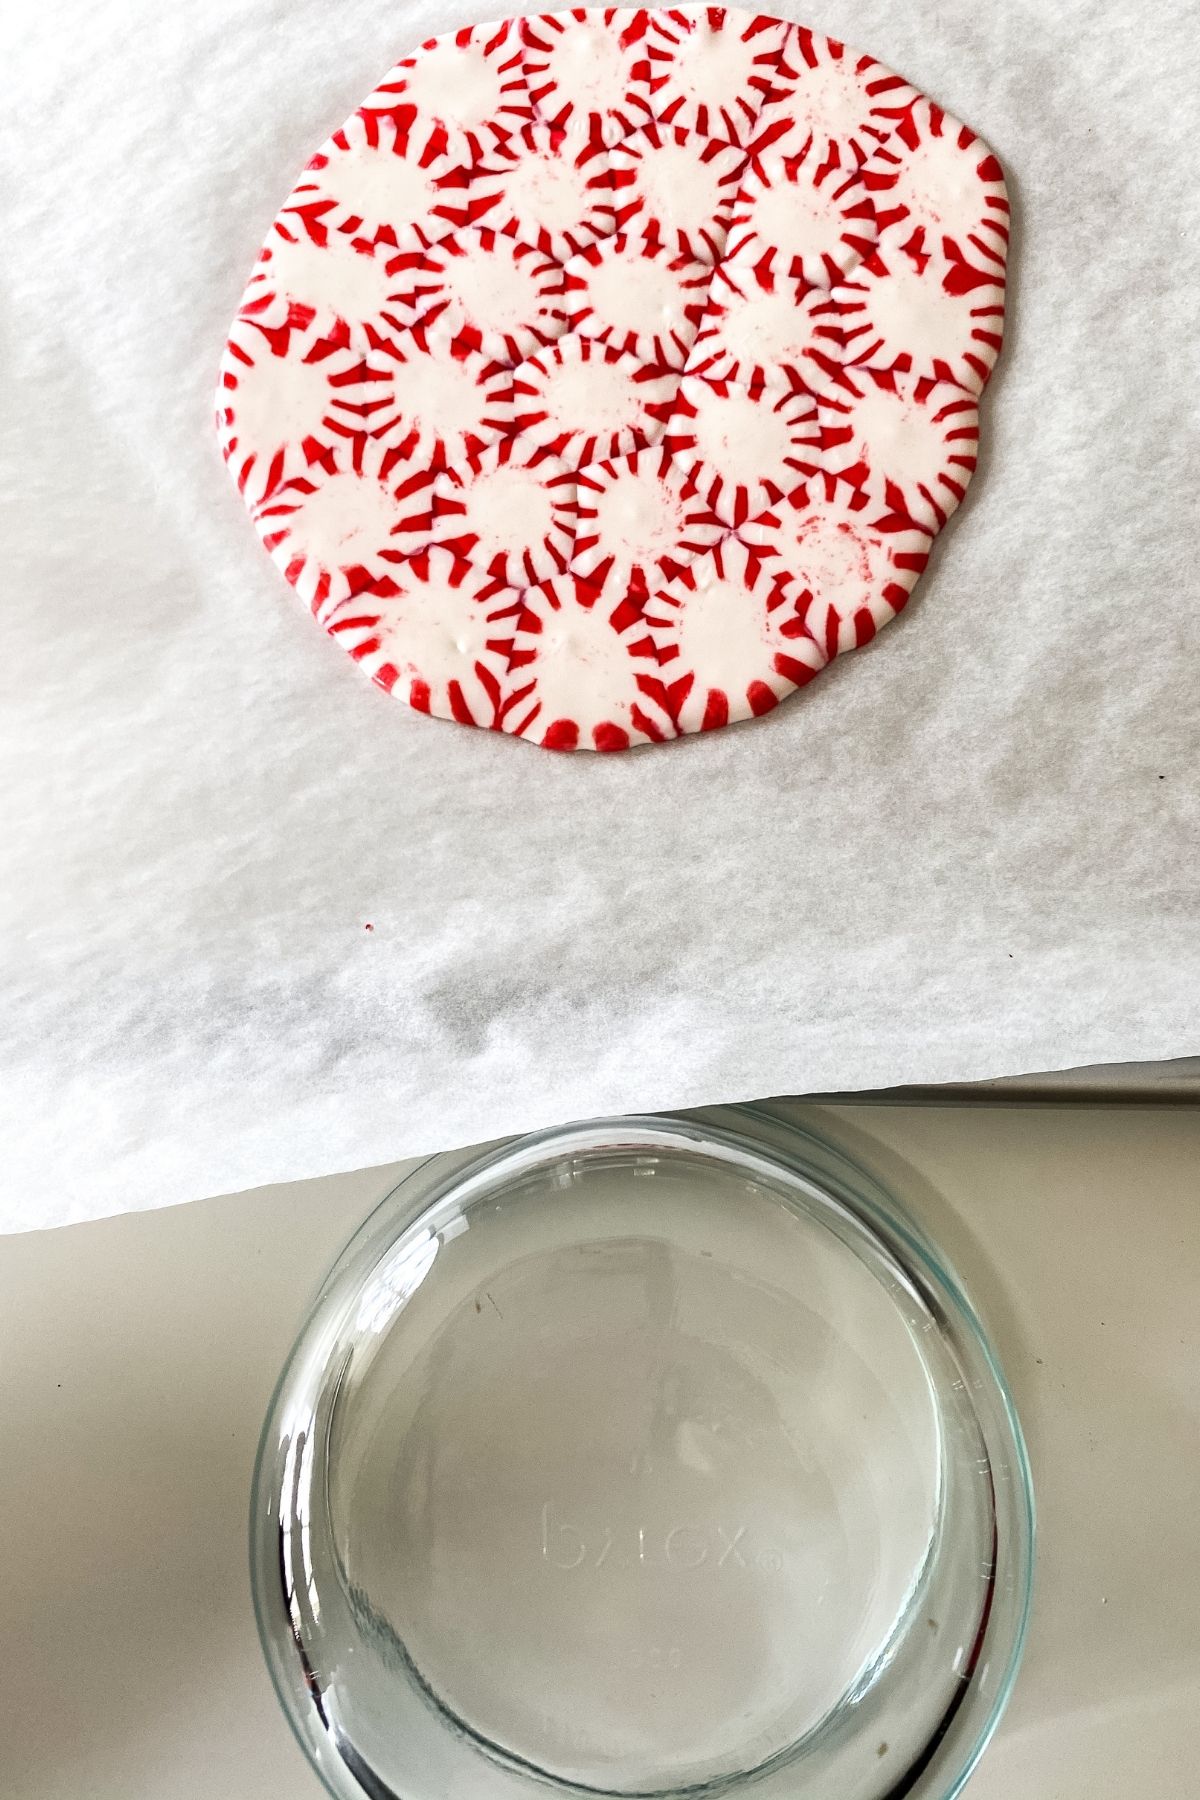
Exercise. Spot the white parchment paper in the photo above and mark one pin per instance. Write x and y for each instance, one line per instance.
(970, 850)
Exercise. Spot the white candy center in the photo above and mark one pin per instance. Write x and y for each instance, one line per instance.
(741, 440)
(548, 191)
(348, 520)
(800, 220)
(631, 293)
(335, 278)
(584, 670)
(587, 66)
(508, 509)
(713, 67)
(828, 102)
(938, 186)
(381, 188)
(278, 404)
(681, 192)
(638, 517)
(897, 438)
(841, 561)
(430, 627)
(440, 394)
(766, 329)
(913, 312)
(591, 397)
(494, 290)
(722, 630)
(460, 87)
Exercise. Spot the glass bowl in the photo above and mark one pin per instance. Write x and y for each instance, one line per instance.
(649, 1456)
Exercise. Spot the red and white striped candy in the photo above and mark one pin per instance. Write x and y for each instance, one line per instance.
(438, 402)
(854, 553)
(674, 186)
(347, 522)
(844, 103)
(546, 189)
(610, 371)
(744, 448)
(645, 299)
(467, 89)
(509, 510)
(710, 68)
(765, 333)
(576, 671)
(933, 181)
(586, 402)
(488, 293)
(286, 397)
(639, 518)
(921, 437)
(338, 285)
(731, 638)
(384, 178)
(399, 634)
(800, 219)
(586, 70)
(928, 315)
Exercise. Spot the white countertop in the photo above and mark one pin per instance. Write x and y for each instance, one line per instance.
(138, 1355)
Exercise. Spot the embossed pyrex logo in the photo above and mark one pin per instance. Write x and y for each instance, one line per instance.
(684, 1548)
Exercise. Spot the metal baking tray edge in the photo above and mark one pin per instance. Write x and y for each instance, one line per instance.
(1175, 1083)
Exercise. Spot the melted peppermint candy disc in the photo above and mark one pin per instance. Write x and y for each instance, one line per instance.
(610, 371)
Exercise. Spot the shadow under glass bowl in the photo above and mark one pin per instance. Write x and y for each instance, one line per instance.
(649, 1456)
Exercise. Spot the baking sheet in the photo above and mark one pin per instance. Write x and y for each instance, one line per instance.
(968, 851)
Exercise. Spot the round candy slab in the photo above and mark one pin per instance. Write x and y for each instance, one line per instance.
(610, 371)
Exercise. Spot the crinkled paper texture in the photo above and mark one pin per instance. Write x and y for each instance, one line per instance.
(260, 923)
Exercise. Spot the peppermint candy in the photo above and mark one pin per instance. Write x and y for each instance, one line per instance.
(610, 371)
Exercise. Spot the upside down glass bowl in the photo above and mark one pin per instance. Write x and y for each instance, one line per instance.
(650, 1456)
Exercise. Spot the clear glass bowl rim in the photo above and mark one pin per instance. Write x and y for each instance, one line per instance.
(766, 1129)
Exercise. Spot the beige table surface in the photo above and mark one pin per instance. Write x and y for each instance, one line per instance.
(137, 1356)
